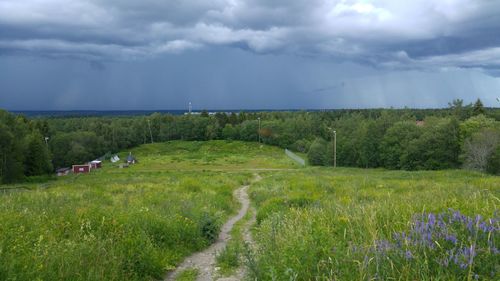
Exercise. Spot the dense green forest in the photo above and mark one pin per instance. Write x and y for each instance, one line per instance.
(412, 139)
(23, 150)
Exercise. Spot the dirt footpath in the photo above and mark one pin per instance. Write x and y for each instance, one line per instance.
(205, 261)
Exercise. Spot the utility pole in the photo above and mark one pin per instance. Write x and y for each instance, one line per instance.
(150, 133)
(334, 147)
(259, 129)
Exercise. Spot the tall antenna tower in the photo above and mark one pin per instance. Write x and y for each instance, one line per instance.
(190, 107)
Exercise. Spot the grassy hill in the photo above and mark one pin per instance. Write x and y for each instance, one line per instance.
(213, 155)
(127, 224)
(313, 223)
(361, 224)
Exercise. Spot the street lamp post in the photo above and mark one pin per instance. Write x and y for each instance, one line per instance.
(259, 128)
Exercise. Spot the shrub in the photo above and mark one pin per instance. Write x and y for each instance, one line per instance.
(479, 149)
(209, 227)
(493, 166)
(301, 145)
(317, 154)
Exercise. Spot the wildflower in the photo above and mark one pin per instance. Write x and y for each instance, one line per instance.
(451, 238)
(495, 251)
(408, 255)
(382, 246)
(450, 231)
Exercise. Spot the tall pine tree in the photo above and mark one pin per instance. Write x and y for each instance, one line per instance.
(478, 108)
(37, 161)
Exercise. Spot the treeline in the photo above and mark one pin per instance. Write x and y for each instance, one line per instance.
(411, 139)
(23, 150)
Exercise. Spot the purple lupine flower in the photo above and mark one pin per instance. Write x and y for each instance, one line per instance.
(478, 218)
(408, 255)
(495, 251)
(451, 238)
(383, 245)
(429, 230)
(483, 227)
(431, 220)
(471, 252)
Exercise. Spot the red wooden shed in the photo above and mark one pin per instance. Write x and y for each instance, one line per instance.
(85, 168)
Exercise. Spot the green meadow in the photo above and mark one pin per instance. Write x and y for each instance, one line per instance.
(133, 223)
(312, 223)
(345, 224)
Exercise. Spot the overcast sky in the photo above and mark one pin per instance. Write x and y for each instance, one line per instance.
(247, 54)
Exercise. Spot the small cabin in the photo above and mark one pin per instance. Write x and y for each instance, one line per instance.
(131, 159)
(96, 164)
(63, 171)
(77, 169)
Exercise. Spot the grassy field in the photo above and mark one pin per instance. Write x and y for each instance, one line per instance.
(214, 155)
(355, 224)
(127, 224)
(312, 223)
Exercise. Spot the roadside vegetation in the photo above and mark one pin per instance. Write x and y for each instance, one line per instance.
(353, 224)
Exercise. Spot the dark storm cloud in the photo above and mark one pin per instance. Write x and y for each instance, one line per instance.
(158, 54)
(229, 78)
(390, 33)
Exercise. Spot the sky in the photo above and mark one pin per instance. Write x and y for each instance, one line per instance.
(247, 54)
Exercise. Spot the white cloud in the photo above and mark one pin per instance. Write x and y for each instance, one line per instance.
(259, 40)
(479, 58)
(176, 46)
(362, 30)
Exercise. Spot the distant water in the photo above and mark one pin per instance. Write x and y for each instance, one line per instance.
(89, 113)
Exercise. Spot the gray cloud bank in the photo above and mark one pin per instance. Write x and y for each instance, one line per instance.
(229, 78)
(419, 34)
(161, 54)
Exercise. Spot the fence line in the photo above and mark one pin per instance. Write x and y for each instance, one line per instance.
(295, 157)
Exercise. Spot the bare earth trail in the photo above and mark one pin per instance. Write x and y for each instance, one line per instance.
(247, 238)
(205, 261)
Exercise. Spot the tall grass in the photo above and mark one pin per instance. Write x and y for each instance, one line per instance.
(319, 224)
(127, 224)
(111, 230)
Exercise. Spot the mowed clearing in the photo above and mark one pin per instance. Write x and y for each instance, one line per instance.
(213, 155)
